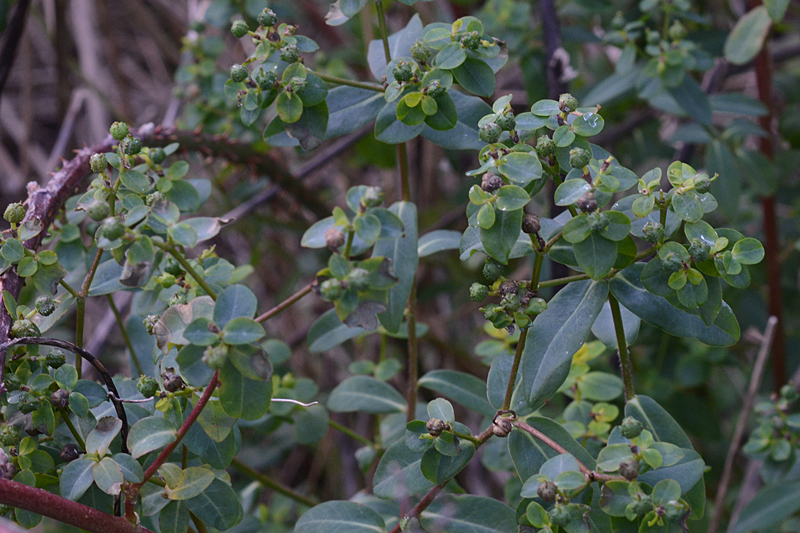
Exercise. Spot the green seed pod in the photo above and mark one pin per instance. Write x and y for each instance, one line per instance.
(699, 250)
(421, 52)
(112, 229)
(239, 29)
(567, 103)
(288, 381)
(15, 213)
(215, 356)
(157, 155)
(671, 262)
(358, 279)
(239, 73)
(166, 280)
(131, 145)
(579, 158)
(98, 210)
(403, 72)
(639, 506)
(560, 515)
(629, 469)
(506, 121)
(119, 130)
(56, 358)
(266, 79)
(510, 303)
(10, 436)
(98, 163)
(372, 197)
(45, 305)
(435, 89)
(60, 398)
(24, 328)
(702, 183)
(471, 40)
(69, 453)
(331, 290)
(267, 18)
(587, 203)
(630, 428)
(12, 382)
(545, 146)
(149, 323)
(531, 224)
(653, 232)
(492, 270)
(290, 53)
(491, 182)
(179, 298)
(147, 386)
(598, 221)
(172, 381)
(478, 292)
(490, 133)
(535, 307)
(547, 491)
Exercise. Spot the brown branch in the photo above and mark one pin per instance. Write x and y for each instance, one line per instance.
(73, 513)
(286, 303)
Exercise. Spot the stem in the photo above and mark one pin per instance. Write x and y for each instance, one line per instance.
(188, 268)
(184, 429)
(512, 380)
(73, 513)
(68, 288)
(125, 335)
(79, 322)
(72, 429)
(474, 440)
(562, 281)
(349, 245)
(350, 433)
(273, 484)
(344, 81)
(413, 352)
(384, 31)
(624, 356)
(549, 244)
(284, 304)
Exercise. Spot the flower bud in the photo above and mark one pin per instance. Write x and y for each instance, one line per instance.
(403, 72)
(491, 182)
(147, 386)
(69, 453)
(267, 18)
(290, 53)
(172, 381)
(490, 133)
(215, 356)
(98, 163)
(492, 269)
(266, 79)
(45, 305)
(331, 290)
(420, 51)
(60, 398)
(154, 197)
(372, 197)
(510, 302)
(436, 427)
(131, 145)
(506, 121)
(15, 213)
(98, 210)
(630, 428)
(112, 229)
(587, 203)
(535, 307)
(653, 232)
(531, 224)
(118, 130)
(24, 328)
(334, 239)
(471, 40)
(547, 491)
(545, 146)
(239, 73)
(434, 89)
(288, 381)
(149, 323)
(629, 469)
(579, 158)
(358, 279)
(297, 84)
(478, 292)
(10, 436)
(157, 155)
(567, 103)
(239, 29)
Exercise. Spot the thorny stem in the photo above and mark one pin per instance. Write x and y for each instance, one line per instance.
(285, 304)
(624, 356)
(187, 267)
(273, 484)
(124, 333)
(352, 434)
(184, 429)
(344, 81)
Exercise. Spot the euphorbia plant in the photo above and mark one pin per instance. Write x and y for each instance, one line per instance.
(155, 449)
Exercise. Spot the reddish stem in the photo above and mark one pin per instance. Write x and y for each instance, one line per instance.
(73, 513)
(187, 424)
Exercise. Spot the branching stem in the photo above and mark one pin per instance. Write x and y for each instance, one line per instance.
(624, 356)
(285, 304)
(275, 485)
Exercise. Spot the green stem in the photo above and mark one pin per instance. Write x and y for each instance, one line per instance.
(80, 315)
(187, 267)
(349, 245)
(350, 433)
(273, 484)
(413, 352)
(344, 81)
(562, 281)
(72, 429)
(68, 288)
(474, 440)
(384, 31)
(549, 244)
(125, 335)
(624, 356)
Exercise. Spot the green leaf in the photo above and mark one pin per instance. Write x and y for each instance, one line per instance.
(452, 513)
(441, 409)
(450, 56)
(600, 386)
(218, 506)
(570, 191)
(390, 130)
(328, 332)
(445, 114)
(464, 135)
(350, 108)
(368, 228)
(486, 216)
(747, 37)
(475, 76)
(194, 481)
(771, 506)
(66, 376)
(563, 136)
(398, 474)
(216, 454)
(100, 438)
(289, 107)
(12, 250)
(311, 128)
(340, 517)
(76, 478)
(577, 229)
(611, 456)
(402, 250)
(627, 288)
(545, 108)
(748, 251)
(520, 168)
(603, 327)
(776, 9)
(399, 46)
(438, 241)
(241, 397)
(365, 394)
(691, 97)
(108, 476)
(556, 335)
(311, 424)
(183, 234)
(242, 330)
(596, 255)
(460, 387)
(149, 434)
(511, 197)
(688, 206)
(438, 468)
(135, 181)
(131, 469)
(588, 124)
(499, 240)
(174, 518)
